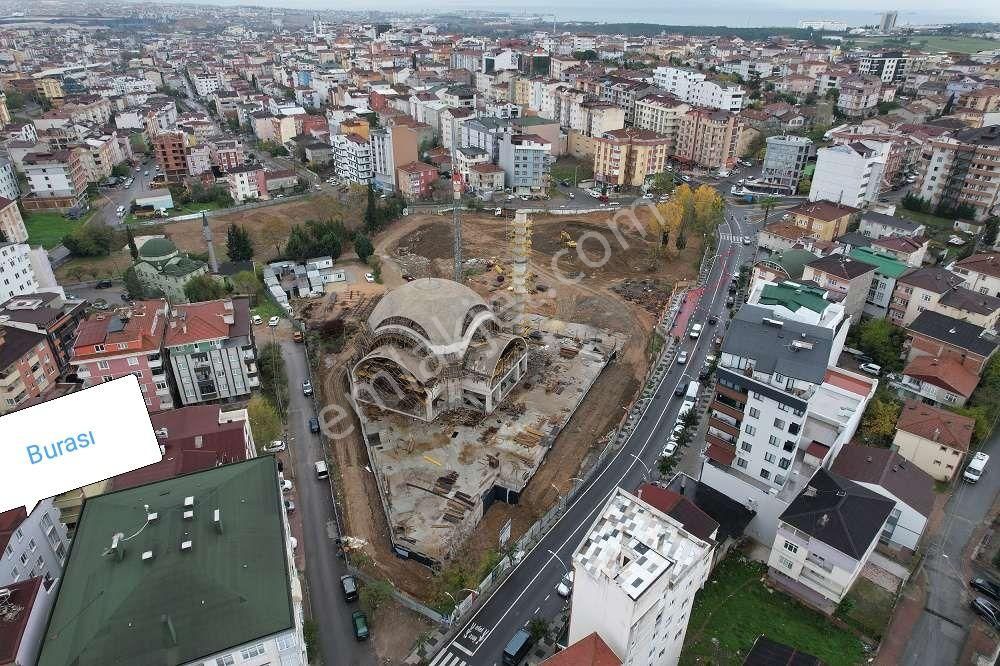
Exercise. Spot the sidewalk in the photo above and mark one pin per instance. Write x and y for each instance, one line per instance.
(680, 326)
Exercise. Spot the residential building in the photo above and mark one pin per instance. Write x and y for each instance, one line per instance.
(859, 96)
(661, 114)
(170, 151)
(636, 574)
(785, 160)
(847, 174)
(211, 350)
(960, 170)
(484, 179)
(981, 272)
(352, 156)
(891, 475)
(162, 268)
(709, 139)
(9, 188)
(524, 159)
(628, 157)
(591, 650)
(803, 303)
(695, 89)
(230, 516)
(935, 440)
(33, 545)
(822, 219)
(848, 280)
(938, 381)
(889, 66)
(49, 313)
(17, 276)
(940, 336)
(883, 285)
(782, 265)
(879, 225)
(55, 180)
(109, 346)
(30, 602)
(391, 148)
(909, 250)
(27, 367)
(416, 180)
(917, 290)
(825, 537)
(247, 182)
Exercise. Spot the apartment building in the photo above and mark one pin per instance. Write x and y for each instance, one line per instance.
(524, 159)
(695, 89)
(352, 157)
(785, 159)
(661, 114)
(9, 187)
(935, 440)
(887, 270)
(825, 537)
(55, 180)
(627, 157)
(981, 272)
(960, 170)
(623, 93)
(917, 290)
(803, 303)
(823, 220)
(230, 516)
(889, 66)
(636, 575)
(879, 225)
(940, 336)
(20, 638)
(109, 346)
(33, 544)
(848, 173)
(170, 151)
(859, 96)
(247, 182)
(27, 367)
(848, 279)
(391, 148)
(709, 139)
(12, 229)
(48, 313)
(17, 274)
(416, 180)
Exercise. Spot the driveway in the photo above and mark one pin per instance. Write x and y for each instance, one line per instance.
(314, 504)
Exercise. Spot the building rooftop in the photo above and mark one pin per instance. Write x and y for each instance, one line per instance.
(794, 349)
(794, 296)
(731, 516)
(141, 328)
(590, 650)
(932, 278)
(945, 373)
(824, 210)
(839, 512)
(792, 262)
(15, 343)
(633, 544)
(884, 264)
(955, 332)
(766, 652)
(680, 508)
(841, 266)
(938, 425)
(12, 627)
(230, 587)
(9, 522)
(889, 470)
(987, 263)
(906, 227)
(967, 300)
(209, 320)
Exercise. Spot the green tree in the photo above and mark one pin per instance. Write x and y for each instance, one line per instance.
(878, 424)
(990, 231)
(90, 240)
(133, 287)
(768, 204)
(247, 283)
(538, 628)
(273, 380)
(371, 211)
(121, 170)
(882, 341)
(265, 424)
(130, 239)
(663, 183)
(375, 595)
(363, 246)
(203, 288)
(239, 247)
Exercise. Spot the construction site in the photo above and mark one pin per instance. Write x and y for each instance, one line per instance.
(481, 399)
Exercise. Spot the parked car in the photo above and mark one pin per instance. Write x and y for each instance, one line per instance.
(565, 586)
(704, 373)
(286, 486)
(747, 240)
(990, 588)
(871, 368)
(695, 331)
(289, 506)
(100, 304)
(273, 321)
(313, 424)
(713, 320)
(369, 277)
(307, 388)
(517, 648)
(274, 447)
(682, 358)
(257, 321)
(349, 586)
(104, 284)
(686, 178)
(572, 196)
(987, 610)
(681, 389)
(360, 623)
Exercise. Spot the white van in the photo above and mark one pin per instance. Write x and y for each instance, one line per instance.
(692, 392)
(321, 471)
(976, 467)
(695, 331)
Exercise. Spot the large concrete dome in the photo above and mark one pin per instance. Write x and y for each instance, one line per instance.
(439, 311)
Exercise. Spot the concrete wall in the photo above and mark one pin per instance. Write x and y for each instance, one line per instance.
(764, 525)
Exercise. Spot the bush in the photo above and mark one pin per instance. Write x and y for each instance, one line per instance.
(202, 288)
(363, 246)
(316, 239)
(273, 380)
(90, 240)
(375, 595)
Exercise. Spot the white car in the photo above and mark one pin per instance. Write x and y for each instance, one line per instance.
(669, 448)
(648, 195)
(274, 447)
(747, 240)
(682, 358)
(695, 331)
(273, 321)
(286, 486)
(257, 321)
(871, 368)
(369, 277)
(686, 178)
(572, 196)
(565, 586)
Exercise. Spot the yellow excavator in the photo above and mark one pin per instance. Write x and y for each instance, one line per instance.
(567, 239)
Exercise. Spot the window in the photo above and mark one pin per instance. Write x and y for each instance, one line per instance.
(772, 440)
(764, 474)
(769, 457)
(746, 446)
(31, 545)
(749, 429)
(8, 551)
(98, 348)
(14, 574)
(754, 413)
(103, 365)
(784, 463)
(133, 361)
(779, 424)
(225, 661)
(742, 463)
(782, 407)
(252, 651)
(779, 480)
(790, 547)
(785, 562)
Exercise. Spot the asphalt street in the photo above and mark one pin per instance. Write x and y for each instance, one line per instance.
(314, 502)
(940, 632)
(529, 591)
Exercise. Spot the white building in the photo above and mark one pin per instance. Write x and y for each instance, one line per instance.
(205, 84)
(524, 159)
(695, 88)
(16, 273)
(36, 546)
(848, 174)
(636, 574)
(8, 179)
(352, 157)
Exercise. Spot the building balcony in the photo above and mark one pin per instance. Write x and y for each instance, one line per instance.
(9, 379)
(721, 425)
(722, 407)
(729, 396)
(155, 362)
(713, 438)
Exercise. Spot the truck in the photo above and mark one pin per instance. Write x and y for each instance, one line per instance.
(974, 470)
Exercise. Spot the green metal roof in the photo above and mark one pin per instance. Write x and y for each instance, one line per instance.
(793, 261)
(182, 266)
(885, 264)
(794, 296)
(157, 247)
(230, 588)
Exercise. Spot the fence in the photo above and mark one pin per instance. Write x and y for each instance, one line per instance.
(223, 211)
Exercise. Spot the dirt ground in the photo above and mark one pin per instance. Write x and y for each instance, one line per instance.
(421, 246)
(393, 632)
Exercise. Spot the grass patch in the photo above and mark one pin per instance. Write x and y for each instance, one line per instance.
(933, 43)
(735, 607)
(939, 229)
(867, 608)
(48, 228)
(193, 207)
(267, 307)
(565, 167)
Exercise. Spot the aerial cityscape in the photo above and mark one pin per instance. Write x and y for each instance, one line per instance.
(507, 334)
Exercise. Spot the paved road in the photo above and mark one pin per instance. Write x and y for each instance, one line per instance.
(529, 591)
(323, 568)
(941, 630)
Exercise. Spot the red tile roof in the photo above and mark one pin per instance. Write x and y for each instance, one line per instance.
(824, 210)
(935, 424)
(588, 651)
(680, 508)
(10, 521)
(944, 373)
(987, 263)
(198, 322)
(142, 331)
(721, 454)
(858, 385)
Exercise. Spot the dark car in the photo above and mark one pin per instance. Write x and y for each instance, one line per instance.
(704, 374)
(988, 587)
(313, 424)
(349, 585)
(105, 284)
(987, 610)
(681, 389)
(360, 623)
(713, 320)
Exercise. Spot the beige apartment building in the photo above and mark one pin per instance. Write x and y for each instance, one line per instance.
(11, 223)
(629, 156)
(960, 170)
(935, 440)
(661, 114)
(709, 138)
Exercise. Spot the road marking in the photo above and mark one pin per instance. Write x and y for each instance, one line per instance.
(587, 520)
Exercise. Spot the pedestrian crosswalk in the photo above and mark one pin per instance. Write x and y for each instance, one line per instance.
(449, 659)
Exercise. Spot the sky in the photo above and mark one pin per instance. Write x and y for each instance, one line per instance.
(734, 13)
